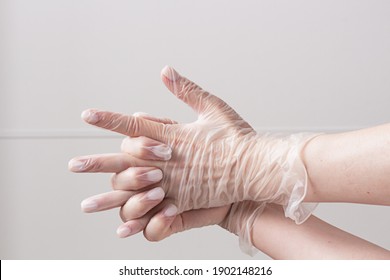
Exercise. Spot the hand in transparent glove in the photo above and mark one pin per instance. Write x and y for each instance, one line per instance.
(146, 209)
(218, 159)
(237, 218)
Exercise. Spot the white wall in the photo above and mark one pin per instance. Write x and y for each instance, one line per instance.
(283, 65)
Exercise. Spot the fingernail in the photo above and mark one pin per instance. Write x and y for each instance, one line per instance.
(170, 73)
(170, 211)
(89, 205)
(77, 164)
(153, 176)
(155, 194)
(123, 231)
(163, 152)
(89, 116)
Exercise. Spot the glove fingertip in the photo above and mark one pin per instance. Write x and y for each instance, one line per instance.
(170, 73)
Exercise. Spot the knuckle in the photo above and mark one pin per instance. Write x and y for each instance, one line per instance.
(133, 208)
(138, 210)
(114, 180)
(122, 215)
(153, 237)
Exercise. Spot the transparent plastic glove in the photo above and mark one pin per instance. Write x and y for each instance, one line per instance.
(240, 221)
(146, 209)
(237, 218)
(219, 159)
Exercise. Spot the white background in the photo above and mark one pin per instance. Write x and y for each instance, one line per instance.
(279, 270)
(283, 65)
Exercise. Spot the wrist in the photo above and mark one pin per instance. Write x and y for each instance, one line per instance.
(278, 173)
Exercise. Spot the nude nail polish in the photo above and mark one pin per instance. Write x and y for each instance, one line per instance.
(155, 194)
(89, 205)
(163, 152)
(123, 231)
(170, 211)
(154, 176)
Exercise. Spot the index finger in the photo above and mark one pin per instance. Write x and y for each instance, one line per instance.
(128, 125)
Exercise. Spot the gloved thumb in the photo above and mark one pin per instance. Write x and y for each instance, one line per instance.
(202, 102)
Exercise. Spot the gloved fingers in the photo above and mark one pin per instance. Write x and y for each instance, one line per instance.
(146, 148)
(140, 204)
(153, 118)
(166, 222)
(107, 163)
(199, 100)
(105, 201)
(135, 178)
(124, 124)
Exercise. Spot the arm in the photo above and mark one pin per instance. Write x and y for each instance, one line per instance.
(246, 165)
(349, 167)
(317, 156)
(268, 229)
(281, 238)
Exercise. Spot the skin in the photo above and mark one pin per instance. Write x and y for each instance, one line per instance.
(350, 167)
(315, 239)
(359, 161)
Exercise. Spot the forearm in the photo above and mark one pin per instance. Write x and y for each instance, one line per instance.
(281, 238)
(349, 167)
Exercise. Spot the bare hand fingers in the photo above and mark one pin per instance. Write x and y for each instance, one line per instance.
(146, 148)
(105, 201)
(166, 222)
(141, 203)
(131, 227)
(135, 178)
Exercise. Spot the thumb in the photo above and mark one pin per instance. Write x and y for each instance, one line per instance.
(202, 102)
(161, 226)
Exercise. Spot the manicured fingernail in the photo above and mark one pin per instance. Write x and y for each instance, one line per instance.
(155, 194)
(170, 211)
(163, 151)
(170, 73)
(154, 176)
(123, 231)
(77, 164)
(89, 116)
(89, 205)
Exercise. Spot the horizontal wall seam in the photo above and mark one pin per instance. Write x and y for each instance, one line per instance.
(81, 134)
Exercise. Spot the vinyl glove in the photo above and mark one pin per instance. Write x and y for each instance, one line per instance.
(219, 159)
(237, 218)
